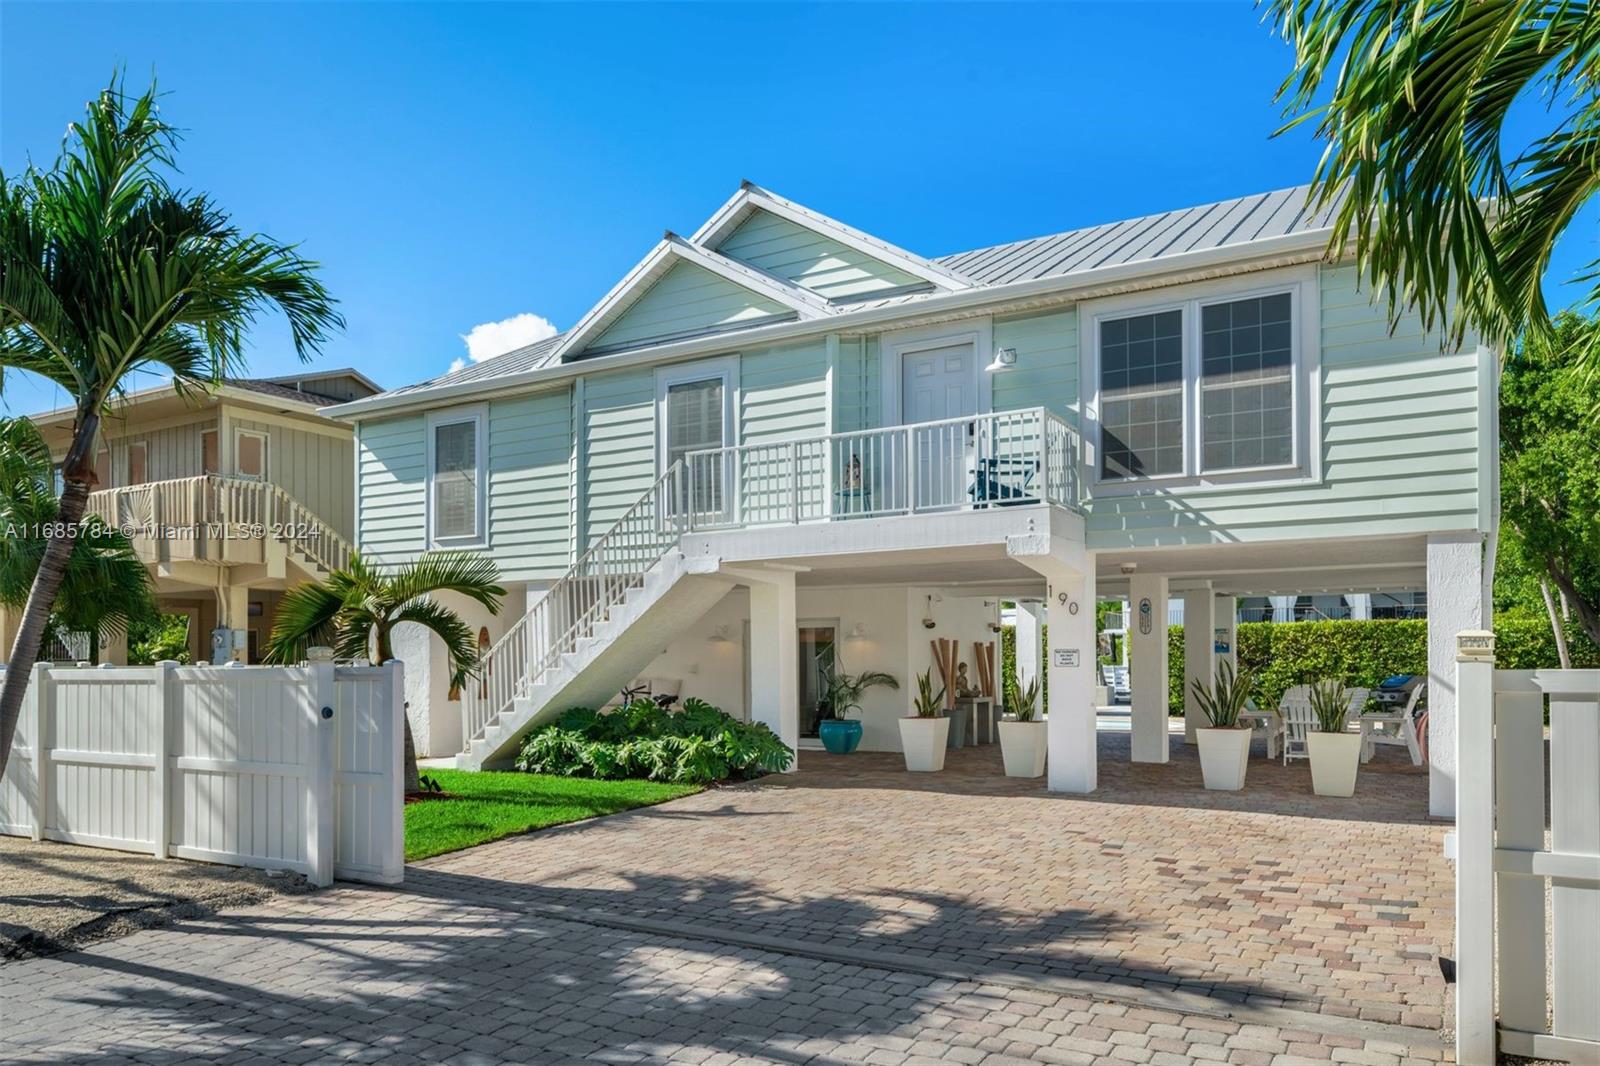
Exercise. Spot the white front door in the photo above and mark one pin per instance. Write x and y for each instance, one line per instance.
(938, 384)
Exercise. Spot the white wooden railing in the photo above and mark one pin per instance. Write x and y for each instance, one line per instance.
(217, 507)
(579, 601)
(1527, 875)
(1002, 459)
(992, 460)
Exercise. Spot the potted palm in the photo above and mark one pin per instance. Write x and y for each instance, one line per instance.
(1023, 731)
(842, 695)
(924, 734)
(1335, 753)
(1225, 746)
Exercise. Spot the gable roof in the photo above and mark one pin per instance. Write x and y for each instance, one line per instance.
(668, 253)
(752, 198)
(1207, 237)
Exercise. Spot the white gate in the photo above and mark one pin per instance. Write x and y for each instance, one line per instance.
(278, 767)
(1517, 989)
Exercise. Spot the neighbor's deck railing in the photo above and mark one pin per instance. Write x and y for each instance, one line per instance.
(992, 460)
(215, 506)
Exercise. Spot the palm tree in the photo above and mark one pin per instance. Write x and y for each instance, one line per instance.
(105, 586)
(107, 271)
(354, 611)
(1412, 98)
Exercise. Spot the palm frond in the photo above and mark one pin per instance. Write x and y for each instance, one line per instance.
(306, 616)
(460, 640)
(469, 574)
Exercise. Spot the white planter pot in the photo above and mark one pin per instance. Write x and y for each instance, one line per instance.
(923, 740)
(1224, 753)
(1335, 757)
(1023, 746)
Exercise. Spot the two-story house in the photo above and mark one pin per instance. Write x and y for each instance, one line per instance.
(230, 496)
(782, 440)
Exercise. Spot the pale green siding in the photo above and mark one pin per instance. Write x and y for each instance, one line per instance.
(688, 299)
(809, 259)
(858, 386)
(619, 445)
(392, 467)
(1046, 371)
(784, 392)
(530, 450)
(1398, 442)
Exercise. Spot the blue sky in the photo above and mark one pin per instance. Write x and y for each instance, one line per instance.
(456, 165)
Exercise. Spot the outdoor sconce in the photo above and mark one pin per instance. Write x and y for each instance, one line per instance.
(1004, 359)
(857, 632)
(719, 636)
(927, 617)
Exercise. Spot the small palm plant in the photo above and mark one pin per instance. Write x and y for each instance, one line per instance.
(356, 609)
(1023, 700)
(845, 691)
(1330, 704)
(928, 703)
(1223, 701)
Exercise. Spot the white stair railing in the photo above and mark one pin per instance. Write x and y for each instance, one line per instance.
(577, 603)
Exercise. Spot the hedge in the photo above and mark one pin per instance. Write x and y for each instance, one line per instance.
(1360, 652)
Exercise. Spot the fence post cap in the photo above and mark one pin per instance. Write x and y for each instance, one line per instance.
(319, 654)
(1474, 645)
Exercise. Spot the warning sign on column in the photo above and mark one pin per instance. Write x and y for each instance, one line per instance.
(1064, 656)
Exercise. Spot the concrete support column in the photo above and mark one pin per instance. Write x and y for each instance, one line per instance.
(1282, 608)
(233, 612)
(1455, 603)
(1147, 640)
(1225, 629)
(1199, 654)
(775, 657)
(1030, 622)
(1070, 663)
(1360, 606)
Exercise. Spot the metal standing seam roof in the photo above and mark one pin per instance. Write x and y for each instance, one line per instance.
(1147, 238)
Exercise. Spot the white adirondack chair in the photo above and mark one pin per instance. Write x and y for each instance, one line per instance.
(1298, 722)
(1265, 725)
(1398, 729)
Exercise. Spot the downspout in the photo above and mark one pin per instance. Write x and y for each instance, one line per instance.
(1492, 542)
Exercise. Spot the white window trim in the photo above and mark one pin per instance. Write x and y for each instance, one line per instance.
(725, 368)
(1301, 283)
(478, 415)
(894, 346)
(266, 454)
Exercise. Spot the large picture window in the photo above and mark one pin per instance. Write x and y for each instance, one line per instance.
(1203, 387)
(455, 479)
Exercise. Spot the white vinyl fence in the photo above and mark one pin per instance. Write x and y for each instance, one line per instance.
(1527, 861)
(278, 767)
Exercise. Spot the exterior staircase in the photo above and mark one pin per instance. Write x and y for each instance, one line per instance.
(612, 613)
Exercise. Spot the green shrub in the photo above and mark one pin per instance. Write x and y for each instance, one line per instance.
(697, 745)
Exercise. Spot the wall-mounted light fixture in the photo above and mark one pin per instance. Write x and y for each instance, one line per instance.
(927, 616)
(1004, 359)
(857, 632)
(719, 636)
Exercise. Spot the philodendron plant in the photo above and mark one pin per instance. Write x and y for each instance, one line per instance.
(1223, 701)
(1330, 704)
(928, 703)
(1022, 701)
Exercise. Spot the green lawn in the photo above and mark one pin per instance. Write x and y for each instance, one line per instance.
(485, 806)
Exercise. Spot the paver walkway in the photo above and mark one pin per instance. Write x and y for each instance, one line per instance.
(847, 913)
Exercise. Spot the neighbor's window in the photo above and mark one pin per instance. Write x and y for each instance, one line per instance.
(138, 456)
(455, 479)
(210, 463)
(250, 455)
(1246, 383)
(1141, 395)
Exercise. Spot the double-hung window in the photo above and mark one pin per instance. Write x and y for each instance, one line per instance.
(1199, 387)
(455, 478)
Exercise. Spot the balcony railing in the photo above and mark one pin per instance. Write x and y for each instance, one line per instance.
(1004, 459)
(213, 507)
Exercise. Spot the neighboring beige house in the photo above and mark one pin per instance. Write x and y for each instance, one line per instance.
(231, 497)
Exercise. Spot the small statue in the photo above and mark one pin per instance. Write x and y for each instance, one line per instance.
(852, 473)
(964, 689)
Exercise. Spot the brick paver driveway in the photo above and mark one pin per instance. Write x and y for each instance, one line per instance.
(846, 913)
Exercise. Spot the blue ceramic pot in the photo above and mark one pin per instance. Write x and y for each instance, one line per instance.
(840, 736)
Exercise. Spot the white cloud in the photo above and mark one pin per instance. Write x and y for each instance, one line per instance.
(457, 364)
(489, 339)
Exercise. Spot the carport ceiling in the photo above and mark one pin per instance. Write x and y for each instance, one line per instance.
(1278, 568)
